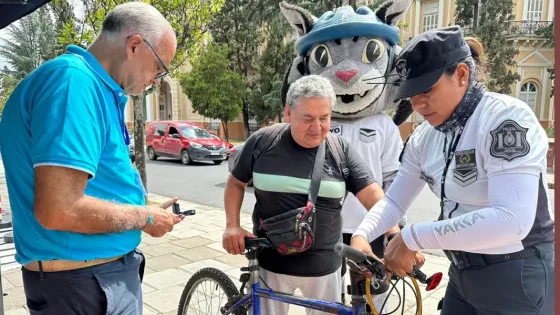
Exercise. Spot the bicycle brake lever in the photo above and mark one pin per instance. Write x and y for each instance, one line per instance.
(431, 282)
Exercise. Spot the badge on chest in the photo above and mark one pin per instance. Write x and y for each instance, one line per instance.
(337, 130)
(465, 172)
(367, 135)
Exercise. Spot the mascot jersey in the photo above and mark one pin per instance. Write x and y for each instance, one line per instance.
(356, 51)
(377, 139)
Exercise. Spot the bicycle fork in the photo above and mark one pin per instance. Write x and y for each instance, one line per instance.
(255, 307)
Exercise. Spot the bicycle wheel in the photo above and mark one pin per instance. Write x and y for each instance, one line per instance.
(210, 281)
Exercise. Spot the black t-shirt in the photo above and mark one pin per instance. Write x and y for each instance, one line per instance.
(281, 179)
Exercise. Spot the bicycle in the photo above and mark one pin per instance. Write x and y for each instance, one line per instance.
(366, 273)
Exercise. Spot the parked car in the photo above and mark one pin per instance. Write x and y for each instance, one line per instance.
(183, 140)
(229, 146)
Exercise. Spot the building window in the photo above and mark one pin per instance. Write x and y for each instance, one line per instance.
(430, 16)
(532, 10)
(528, 94)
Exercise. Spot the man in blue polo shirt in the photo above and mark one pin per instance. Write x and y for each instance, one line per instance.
(78, 210)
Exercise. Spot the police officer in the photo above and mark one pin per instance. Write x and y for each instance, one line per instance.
(484, 155)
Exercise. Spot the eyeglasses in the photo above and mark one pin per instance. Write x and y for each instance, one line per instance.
(165, 70)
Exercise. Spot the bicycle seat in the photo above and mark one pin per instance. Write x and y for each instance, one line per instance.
(254, 243)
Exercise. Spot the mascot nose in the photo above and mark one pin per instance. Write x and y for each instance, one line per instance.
(346, 75)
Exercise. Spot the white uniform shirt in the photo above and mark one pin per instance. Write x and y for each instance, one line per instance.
(503, 136)
(377, 139)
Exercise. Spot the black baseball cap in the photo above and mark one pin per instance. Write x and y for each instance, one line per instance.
(423, 60)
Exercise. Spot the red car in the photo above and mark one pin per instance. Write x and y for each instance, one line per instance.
(229, 146)
(185, 141)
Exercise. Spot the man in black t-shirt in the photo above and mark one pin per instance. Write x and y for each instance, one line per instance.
(281, 177)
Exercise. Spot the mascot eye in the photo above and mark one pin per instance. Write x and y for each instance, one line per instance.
(321, 56)
(373, 51)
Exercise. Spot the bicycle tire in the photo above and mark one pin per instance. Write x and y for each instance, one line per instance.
(215, 275)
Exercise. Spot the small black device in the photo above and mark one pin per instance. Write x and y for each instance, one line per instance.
(176, 208)
(189, 212)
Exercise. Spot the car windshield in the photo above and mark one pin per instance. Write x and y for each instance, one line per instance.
(193, 132)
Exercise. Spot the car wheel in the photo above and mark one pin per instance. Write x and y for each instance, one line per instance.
(152, 154)
(218, 162)
(185, 157)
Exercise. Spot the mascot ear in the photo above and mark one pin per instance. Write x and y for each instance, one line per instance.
(390, 12)
(300, 19)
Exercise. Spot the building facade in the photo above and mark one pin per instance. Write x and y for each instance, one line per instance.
(532, 62)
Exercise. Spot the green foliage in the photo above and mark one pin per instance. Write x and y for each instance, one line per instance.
(7, 84)
(189, 19)
(31, 42)
(491, 26)
(215, 90)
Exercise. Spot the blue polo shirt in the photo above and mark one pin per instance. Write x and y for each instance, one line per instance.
(68, 112)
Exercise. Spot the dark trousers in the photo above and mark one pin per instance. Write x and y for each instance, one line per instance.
(518, 287)
(111, 288)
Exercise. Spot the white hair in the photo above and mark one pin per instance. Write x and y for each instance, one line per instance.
(135, 18)
(310, 86)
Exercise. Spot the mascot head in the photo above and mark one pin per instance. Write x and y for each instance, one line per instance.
(356, 51)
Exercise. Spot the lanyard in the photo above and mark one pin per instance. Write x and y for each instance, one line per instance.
(123, 127)
(448, 158)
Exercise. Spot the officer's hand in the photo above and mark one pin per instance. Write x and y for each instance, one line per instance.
(420, 259)
(233, 240)
(398, 258)
(361, 244)
(163, 219)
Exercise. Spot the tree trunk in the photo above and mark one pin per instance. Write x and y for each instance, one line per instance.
(139, 142)
(245, 112)
(475, 17)
(226, 131)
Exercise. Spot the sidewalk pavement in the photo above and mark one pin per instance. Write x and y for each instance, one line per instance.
(193, 244)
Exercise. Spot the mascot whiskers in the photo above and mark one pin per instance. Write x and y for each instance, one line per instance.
(356, 50)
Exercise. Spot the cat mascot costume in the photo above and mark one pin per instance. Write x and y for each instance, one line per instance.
(356, 51)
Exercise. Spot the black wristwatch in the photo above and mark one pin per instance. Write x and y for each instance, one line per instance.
(391, 236)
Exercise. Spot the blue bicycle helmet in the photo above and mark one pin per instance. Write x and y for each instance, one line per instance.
(344, 22)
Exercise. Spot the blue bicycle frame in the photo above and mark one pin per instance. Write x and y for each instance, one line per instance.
(256, 293)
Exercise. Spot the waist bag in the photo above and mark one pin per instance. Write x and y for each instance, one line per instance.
(293, 232)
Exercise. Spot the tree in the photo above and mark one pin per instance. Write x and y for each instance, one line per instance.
(7, 84)
(265, 101)
(492, 26)
(189, 19)
(31, 42)
(242, 33)
(215, 90)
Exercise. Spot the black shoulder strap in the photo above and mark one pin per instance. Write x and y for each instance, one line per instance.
(268, 138)
(336, 149)
(316, 174)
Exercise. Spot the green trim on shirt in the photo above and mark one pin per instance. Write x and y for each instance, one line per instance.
(288, 184)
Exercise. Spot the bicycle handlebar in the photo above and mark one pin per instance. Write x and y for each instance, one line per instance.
(354, 255)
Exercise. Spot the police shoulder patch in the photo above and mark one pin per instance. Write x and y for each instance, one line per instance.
(509, 141)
